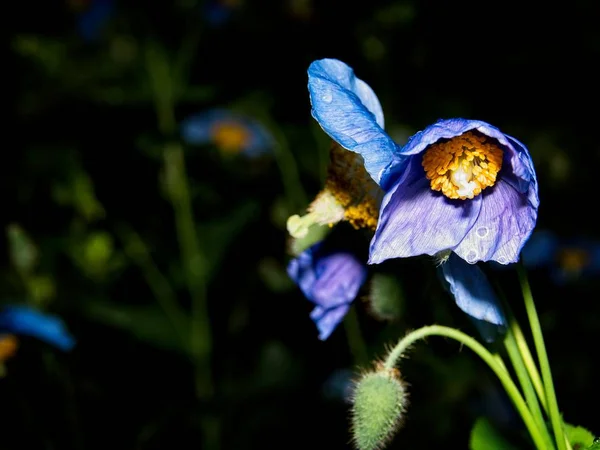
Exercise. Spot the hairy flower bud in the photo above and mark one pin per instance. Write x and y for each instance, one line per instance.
(379, 402)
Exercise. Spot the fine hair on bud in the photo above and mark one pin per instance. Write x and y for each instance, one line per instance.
(378, 405)
(385, 297)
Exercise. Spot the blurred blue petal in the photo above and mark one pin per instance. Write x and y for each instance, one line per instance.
(331, 280)
(27, 321)
(348, 110)
(474, 295)
(540, 249)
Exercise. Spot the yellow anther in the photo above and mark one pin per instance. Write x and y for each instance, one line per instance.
(463, 166)
(230, 137)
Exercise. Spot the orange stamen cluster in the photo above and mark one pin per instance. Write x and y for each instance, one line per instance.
(463, 166)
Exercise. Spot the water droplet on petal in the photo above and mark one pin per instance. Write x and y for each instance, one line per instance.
(471, 256)
(482, 232)
(327, 97)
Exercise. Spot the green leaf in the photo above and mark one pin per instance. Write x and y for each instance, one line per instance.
(149, 324)
(485, 437)
(595, 445)
(579, 437)
(216, 236)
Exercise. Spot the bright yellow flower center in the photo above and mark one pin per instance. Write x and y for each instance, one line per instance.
(230, 137)
(463, 166)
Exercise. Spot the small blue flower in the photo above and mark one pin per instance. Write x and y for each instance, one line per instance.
(567, 259)
(459, 185)
(27, 321)
(232, 133)
(329, 278)
(474, 295)
(93, 18)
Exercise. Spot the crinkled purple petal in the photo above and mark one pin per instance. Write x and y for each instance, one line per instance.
(328, 319)
(349, 112)
(473, 293)
(28, 321)
(505, 222)
(414, 220)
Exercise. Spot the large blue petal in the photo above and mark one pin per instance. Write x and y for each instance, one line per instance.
(473, 294)
(350, 113)
(31, 322)
(415, 220)
(505, 222)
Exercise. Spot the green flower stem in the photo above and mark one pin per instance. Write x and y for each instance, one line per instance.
(136, 249)
(357, 345)
(530, 395)
(529, 362)
(176, 181)
(486, 356)
(290, 176)
(540, 347)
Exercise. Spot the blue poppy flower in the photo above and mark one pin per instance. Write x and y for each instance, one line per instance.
(567, 259)
(329, 278)
(230, 132)
(473, 294)
(459, 185)
(93, 18)
(27, 321)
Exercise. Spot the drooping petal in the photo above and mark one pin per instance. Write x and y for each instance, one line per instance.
(414, 220)
(349, 112)
(328, 319)
(473, 294)
(505, 222)
(31, 322)
(329, 279)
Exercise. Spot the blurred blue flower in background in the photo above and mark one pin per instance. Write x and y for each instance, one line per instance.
(219, 12)
(459, 185)
(230, 132)
(568, 259)
(92, 16)
(473, 294)
(329, 278)
(28, 321)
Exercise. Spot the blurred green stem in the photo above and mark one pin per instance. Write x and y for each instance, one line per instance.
(136, 249)
(513, 392)
(357, 345)
(177, 185)
(540, 347)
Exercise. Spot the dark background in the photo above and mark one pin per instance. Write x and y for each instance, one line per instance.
(83, 109)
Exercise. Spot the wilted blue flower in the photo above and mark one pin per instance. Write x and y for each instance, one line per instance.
(566, 258)
(459, 185)
(92, 17)
(329, 278)
(230, 132)
(473, 294)
(27, 321)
